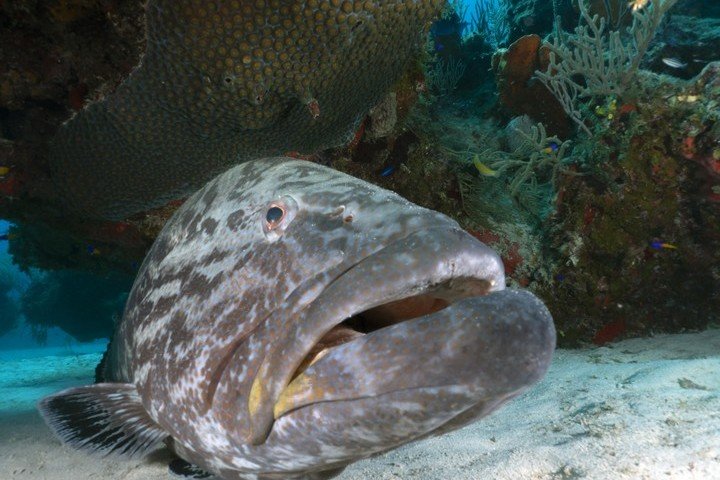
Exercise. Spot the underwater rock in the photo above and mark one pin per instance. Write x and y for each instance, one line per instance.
(276, 328)
(56, 56)
(221, 83)
(520, 92)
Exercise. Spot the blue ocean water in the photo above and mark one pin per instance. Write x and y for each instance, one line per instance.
(19, 342)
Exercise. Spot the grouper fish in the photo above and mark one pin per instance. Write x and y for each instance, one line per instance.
(290, 320)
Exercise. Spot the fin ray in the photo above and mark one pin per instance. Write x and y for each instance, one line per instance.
(105, 418)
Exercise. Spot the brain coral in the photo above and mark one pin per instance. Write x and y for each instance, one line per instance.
(225, 81)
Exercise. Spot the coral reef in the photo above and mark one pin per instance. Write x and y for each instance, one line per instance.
(618, 231)
(596, 62)
(55, 57)
(67, 55)
(491, 21)
(96, 248)
(222, 82)
(634, 237)
(637, 237)
(612, 219)
(532, 17)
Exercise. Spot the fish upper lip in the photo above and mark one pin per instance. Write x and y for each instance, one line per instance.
(455, 254)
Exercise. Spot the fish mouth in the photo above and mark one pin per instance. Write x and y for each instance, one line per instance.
(474, 354)
(435, 299)
(422, 274)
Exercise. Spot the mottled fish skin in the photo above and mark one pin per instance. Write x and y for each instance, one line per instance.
(222, 313)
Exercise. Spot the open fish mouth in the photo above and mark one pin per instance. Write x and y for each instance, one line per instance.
(439, 297)
(416, 277)
(490, 346)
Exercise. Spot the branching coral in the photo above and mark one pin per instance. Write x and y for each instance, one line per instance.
(445, 75)
(525, 172)
(594, 62)
(490, 20)
(536, 154)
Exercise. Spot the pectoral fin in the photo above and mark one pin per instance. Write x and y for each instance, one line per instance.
(105, 418)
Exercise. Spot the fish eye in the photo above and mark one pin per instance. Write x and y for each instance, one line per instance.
(278, 215)
(274, 216)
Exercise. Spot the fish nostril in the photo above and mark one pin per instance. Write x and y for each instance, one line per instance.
(337, 212)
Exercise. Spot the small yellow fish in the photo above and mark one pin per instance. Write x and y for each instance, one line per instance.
(482, 168)
(607, 111)
(636, 5)
(4, 171)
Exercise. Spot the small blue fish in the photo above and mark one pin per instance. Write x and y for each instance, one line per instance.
(387, 171)
(658, 245)
(92, 250)
(552, 147)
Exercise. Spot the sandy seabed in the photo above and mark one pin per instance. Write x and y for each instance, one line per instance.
(639, 409)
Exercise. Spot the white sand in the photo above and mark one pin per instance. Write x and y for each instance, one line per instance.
(641, 409)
